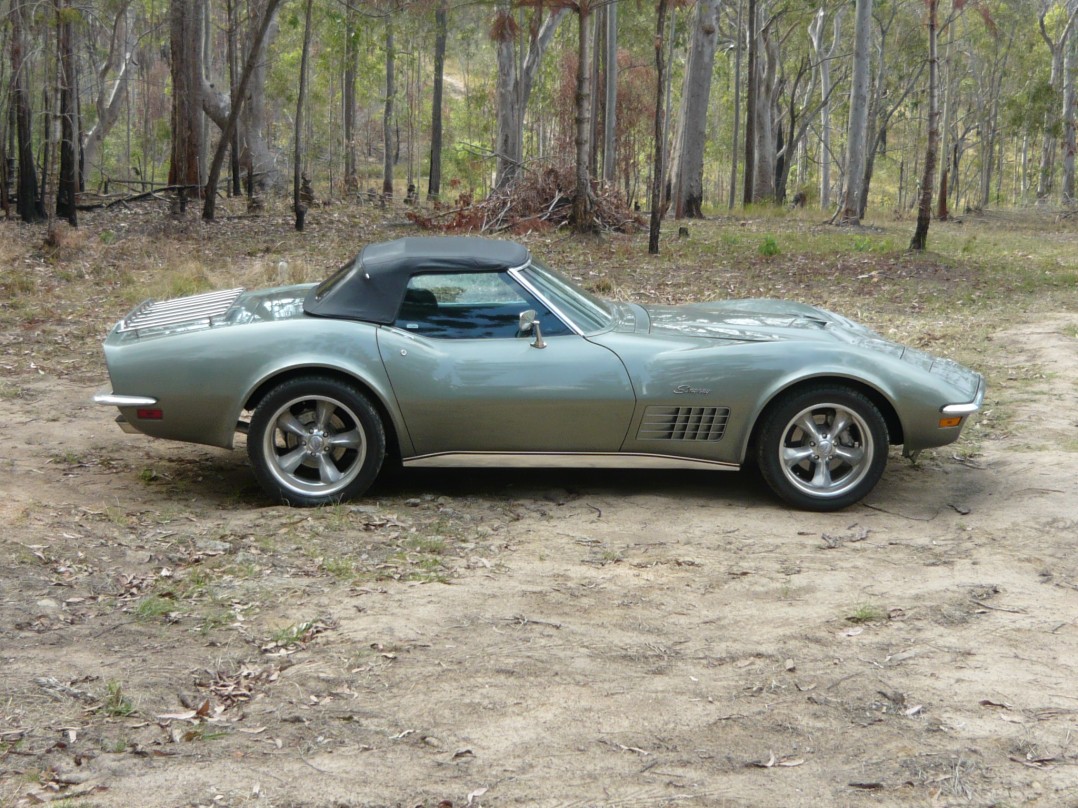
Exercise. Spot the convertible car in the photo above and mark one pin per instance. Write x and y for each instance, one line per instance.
(467, 351)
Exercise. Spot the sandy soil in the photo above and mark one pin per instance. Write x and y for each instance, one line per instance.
(168, 638)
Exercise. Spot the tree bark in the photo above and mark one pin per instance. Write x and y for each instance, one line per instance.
(28, 206)
(660, 127)
(687, 176)
(250, 67)
(298, 206)
(855, 149)
(1070, 66)
(610, 103)
(110, 96)
(68, 179)
(434, 183)
(387, 111)
(767, 88)
(824, 56)
(514, 82)
(750, 105)
(919, 242)
(185, 24)
(737, 106)
(583, 200)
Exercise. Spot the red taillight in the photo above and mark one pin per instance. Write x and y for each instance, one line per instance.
(149, 415)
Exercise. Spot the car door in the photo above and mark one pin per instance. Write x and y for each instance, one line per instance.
(466, 381)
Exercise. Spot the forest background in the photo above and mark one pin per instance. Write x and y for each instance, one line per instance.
(885, 105)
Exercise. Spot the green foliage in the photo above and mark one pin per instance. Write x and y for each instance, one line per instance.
(769, 247)
(116, 704)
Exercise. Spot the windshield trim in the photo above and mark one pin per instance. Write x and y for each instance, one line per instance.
(604, 318)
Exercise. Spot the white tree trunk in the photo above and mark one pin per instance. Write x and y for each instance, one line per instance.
(763, 180)
(610, 104)
(110, 96)
(1070, 66)
(514, 84)
(824, 56)
(855, 149)
(687, 176)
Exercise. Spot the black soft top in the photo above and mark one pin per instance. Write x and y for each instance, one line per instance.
(371, 287)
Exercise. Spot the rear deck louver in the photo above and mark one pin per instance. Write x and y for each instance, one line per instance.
(202, 308)
(683, 423)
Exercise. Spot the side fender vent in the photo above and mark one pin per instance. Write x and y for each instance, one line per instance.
(683, 423)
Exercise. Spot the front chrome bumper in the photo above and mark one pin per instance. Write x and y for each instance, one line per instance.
(969, 407)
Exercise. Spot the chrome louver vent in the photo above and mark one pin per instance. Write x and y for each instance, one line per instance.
(194, 309)
(683, 423)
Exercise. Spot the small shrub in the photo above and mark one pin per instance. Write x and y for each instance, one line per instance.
(769, 247)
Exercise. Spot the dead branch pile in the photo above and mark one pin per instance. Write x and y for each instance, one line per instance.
(538, 200)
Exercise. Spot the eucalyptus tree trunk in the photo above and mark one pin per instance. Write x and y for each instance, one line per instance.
(514, 81)
(657, 167)
(824, 57)
(28, 205)
(250, 67)
(919, 242)
(185, 23)
(610, 103)
(434, 183)
(111, 95)
(298, 206)
(348, 100)
(583, 200)
(750, 105)
(232, 33)
(858, 128)
(258, 158)
(1070, 66)
(687, 175)
(387, 111)
(737, 106)
(68, 180)
(947, 77)
(762, 111)
(1048, 141)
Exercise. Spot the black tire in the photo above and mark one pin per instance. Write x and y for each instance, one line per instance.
(315, 441)
(811, 464)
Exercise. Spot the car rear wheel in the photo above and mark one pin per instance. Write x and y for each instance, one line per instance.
(315, 441)
(823, 448)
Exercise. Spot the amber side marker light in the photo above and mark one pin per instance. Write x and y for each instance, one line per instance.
(946, 422)
(149, 415)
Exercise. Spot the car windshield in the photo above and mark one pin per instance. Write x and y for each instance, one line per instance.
(583, 309)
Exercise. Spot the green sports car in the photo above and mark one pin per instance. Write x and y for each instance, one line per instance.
(468, 352)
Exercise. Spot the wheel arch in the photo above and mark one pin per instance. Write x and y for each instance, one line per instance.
(389, 424)
(895, 432)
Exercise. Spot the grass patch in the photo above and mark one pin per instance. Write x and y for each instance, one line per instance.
(154, 606)
(116, 704)
(867, 613)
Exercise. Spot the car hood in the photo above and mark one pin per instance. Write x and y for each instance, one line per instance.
(739, 321)
(752, 320)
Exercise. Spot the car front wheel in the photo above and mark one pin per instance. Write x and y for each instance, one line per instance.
(315, 441)
(823, 448)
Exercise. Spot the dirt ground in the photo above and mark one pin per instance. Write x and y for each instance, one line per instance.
(170, 638)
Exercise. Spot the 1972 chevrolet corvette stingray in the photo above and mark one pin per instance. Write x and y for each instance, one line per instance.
(467, 351)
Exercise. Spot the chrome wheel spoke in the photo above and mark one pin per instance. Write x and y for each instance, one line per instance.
(822, 477)
(291, 425)
(854, 455)
(346, 440)
(327, 471)
(792, 455)
(288, 463)
(323, 412)
(841, 423)
(809, 427)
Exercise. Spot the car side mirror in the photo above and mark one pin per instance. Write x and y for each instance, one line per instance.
(528, 322)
